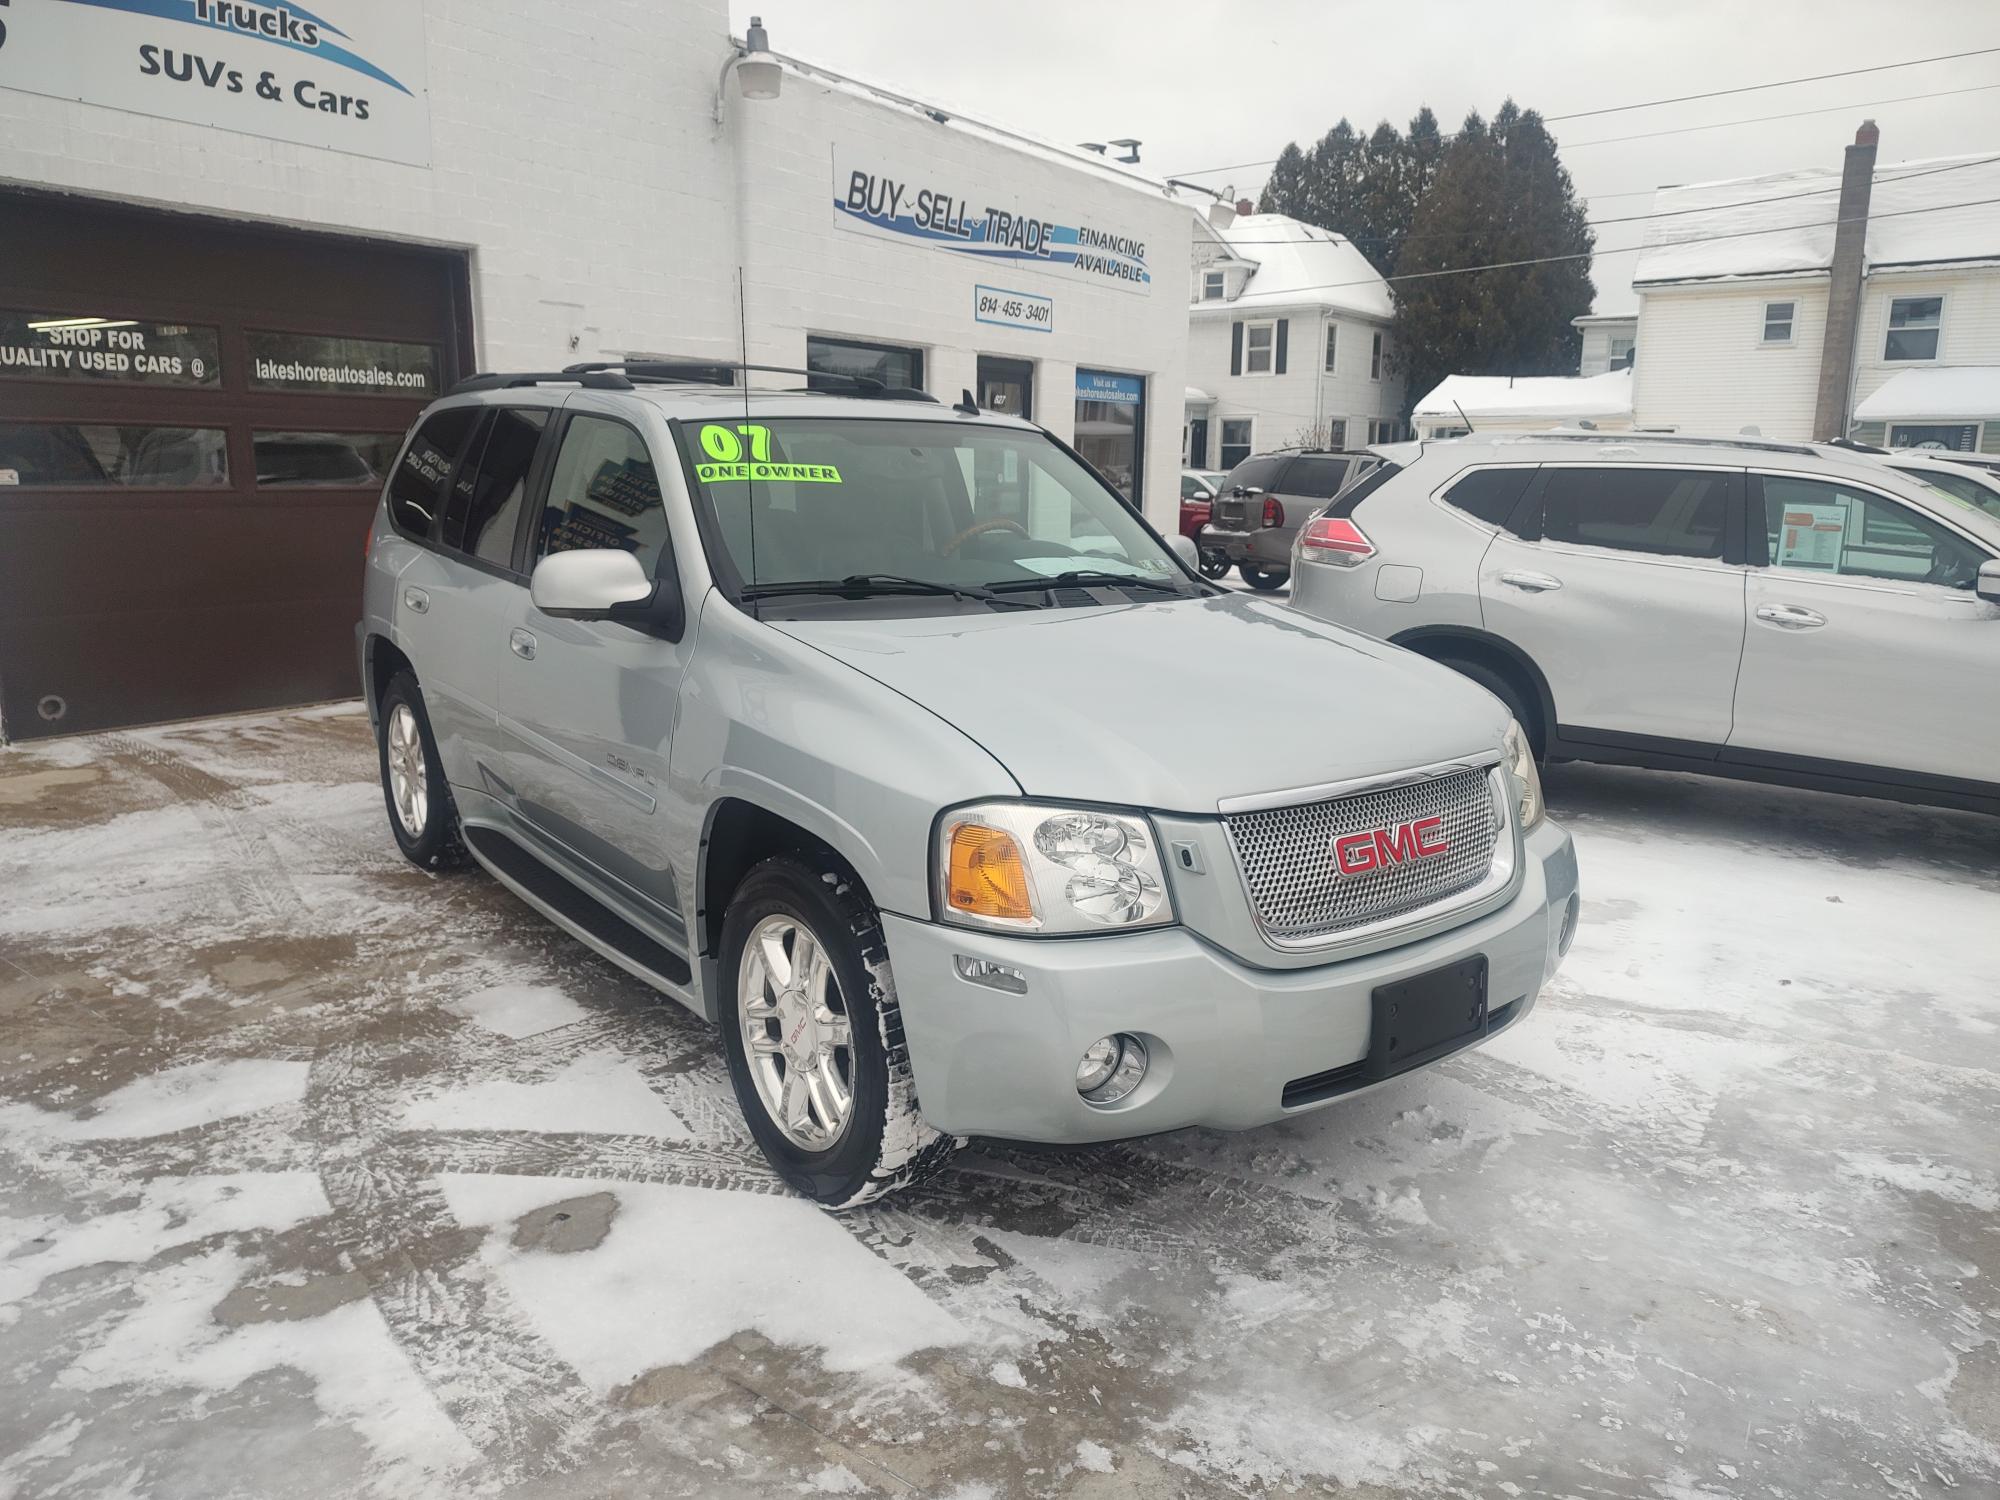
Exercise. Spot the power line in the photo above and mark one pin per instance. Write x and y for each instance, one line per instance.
(1693, 239)
(1670, 213)
(1796, 114)
(1783, 83)
(1647, 135)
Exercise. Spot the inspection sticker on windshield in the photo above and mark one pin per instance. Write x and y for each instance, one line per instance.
(727, 461)
(797, 473)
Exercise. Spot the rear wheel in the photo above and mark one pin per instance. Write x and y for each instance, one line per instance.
(1262, 579)
(422, 815)
(1214, 564)
(1503, 686)
(815, 1038)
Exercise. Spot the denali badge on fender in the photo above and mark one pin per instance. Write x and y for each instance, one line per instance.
(1383, 848)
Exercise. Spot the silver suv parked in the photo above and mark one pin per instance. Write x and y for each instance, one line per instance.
(1777, 612)
(1263, 502)
(882, 735)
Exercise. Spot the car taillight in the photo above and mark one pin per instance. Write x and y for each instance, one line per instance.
(1336, 540)
(1274, 513)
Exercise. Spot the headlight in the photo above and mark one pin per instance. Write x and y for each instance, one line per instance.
(1527, 779)
(1019, 867)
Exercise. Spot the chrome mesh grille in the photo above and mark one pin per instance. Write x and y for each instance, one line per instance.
(1287, 857)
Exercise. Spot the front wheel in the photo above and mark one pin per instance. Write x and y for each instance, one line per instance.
(422, 814)
(815, 1038)
(1263, 580)
(1214, 564)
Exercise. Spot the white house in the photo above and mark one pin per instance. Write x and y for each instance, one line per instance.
(1860, 302)
(1528, 403)
(1608, 341)
(1289, 342)
(224, 238)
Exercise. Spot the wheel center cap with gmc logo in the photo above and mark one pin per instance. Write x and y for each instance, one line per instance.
(1385, 848)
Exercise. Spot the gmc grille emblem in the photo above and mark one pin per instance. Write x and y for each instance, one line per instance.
(1385, 848)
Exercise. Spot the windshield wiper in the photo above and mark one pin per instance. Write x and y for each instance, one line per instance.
(870, 585)
(1086, 576)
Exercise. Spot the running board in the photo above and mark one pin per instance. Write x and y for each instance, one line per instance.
(575, 910)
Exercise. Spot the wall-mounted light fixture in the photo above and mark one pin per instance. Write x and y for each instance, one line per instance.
(758, 74)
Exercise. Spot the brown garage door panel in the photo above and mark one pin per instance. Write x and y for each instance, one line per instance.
(125, 668)
(138, 604)
(146, 560)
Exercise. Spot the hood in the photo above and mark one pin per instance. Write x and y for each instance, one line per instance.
(1172, 705)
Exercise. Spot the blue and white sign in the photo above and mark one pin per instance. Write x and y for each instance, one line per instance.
(1114, 390)
(347, 75)
(1005, 309)
(917, 208)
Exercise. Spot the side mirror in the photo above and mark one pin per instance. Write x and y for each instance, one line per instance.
(1183, 548)
(1988, 584)
(606, 584)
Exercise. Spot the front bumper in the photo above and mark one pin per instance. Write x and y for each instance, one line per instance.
(1225, 1037)
(1266, 547)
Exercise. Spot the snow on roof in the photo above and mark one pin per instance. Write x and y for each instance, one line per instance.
(1579, 396)
(1301, 265)
(1920, 212)
(1196, 396)
(1966, 393)
(1598, 320)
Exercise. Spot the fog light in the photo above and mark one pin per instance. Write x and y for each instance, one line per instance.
(1568, 927)
(1111, 1067)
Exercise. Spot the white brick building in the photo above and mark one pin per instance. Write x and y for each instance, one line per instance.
(1288, 343)
(306, 233)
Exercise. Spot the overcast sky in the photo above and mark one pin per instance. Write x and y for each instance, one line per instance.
(1207, 83)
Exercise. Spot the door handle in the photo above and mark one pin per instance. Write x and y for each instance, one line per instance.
(417, 600)
(521, 643)
(1791, 616)
(1534, 583)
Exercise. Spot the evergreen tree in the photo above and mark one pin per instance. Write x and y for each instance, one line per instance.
(1500, 195)
(1284, 189)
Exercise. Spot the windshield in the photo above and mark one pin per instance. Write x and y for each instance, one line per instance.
(1964, 488)
(797, 500)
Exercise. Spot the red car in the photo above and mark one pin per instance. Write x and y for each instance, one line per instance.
(1199, 488)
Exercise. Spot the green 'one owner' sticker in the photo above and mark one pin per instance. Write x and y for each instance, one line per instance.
(724, 447)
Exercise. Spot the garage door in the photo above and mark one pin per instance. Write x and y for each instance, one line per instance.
(195, 416)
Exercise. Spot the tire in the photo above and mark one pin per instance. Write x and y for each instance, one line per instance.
(1214, 564)
(1263, 580)
(425, 824)
(1503, 686)
(881, 1143)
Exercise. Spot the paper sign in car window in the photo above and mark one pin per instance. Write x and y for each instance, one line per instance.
(1809, 536)
(742, 453)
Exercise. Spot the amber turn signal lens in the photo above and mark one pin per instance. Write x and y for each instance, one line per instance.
(988, 877)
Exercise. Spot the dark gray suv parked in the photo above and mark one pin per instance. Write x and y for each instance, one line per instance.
(1265, 500)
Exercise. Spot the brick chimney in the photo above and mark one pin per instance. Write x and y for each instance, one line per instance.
(1843, 295)
(1245, 207)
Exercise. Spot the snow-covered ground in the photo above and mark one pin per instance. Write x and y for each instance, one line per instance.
(320, 1176)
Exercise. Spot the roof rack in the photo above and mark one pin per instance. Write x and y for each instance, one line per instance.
(1762, 445)
(629, 374)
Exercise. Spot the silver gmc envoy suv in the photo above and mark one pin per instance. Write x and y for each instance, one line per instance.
(880, 733)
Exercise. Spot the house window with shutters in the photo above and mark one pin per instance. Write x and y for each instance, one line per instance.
(1260, 348)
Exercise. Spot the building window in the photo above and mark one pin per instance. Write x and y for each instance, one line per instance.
(891, 364)
(1778, 322)
(1110, 429)
(1260, 340)
(1236, 433)
(1336, 433)
(1914, 323)
(1955, 437)
(1211, 286)
(1375, 358)
(1332, 346)
(1619, 351)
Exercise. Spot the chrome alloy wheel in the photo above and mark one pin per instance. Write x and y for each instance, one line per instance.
(796, 1035)
(409, 785)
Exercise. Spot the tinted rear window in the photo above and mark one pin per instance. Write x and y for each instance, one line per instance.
(1490, 494)
(1254, 473)
(1362, 488)
(1316, 478)
(1666, 512)
(416, 490)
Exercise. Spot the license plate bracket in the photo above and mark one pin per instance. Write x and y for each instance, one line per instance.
(1427, 1016)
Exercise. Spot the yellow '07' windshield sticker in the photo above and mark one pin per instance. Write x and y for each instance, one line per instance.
(728, 462)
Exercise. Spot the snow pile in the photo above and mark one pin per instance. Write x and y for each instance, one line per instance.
(1784, 221)
(1556, 397)
(1969, 393)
